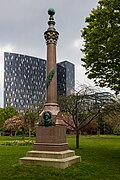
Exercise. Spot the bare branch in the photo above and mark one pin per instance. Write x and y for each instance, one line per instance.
(90, 120)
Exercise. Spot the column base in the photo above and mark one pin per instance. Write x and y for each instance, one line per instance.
(61, 159)
(50, 147)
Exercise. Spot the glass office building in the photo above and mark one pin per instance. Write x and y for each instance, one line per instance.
(66, 78)
(24, 80)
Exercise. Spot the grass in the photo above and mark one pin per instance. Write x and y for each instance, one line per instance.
(100, 161)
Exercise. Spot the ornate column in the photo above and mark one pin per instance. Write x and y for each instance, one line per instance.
(51, 37)
(51, 148)
(51, 130)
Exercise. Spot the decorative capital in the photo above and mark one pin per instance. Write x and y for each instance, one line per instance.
(51, 37)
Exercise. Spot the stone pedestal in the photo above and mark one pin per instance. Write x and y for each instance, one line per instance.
(50, 138)
(61, 159)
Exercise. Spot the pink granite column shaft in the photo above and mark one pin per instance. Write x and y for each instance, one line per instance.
(51, 65)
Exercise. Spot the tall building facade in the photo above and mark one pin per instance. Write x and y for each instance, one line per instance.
(61, 80)
(24, 80)
(65, 78)
(25, 77)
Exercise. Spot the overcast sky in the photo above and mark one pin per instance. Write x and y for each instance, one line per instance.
(22, 25)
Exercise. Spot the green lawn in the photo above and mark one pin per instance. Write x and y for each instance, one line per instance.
(100, 161)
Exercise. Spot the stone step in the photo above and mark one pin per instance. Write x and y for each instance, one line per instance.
(51, 154)
(57, 163)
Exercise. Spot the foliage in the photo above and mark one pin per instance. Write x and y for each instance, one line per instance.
(6, 113)
(2, 117)
(22, 123)
(10, 112)
(102, 44)
(111, 114)
(15, 123)
(91, 128)
(30, 118)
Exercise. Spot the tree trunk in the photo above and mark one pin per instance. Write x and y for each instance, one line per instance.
(29, 133)
(11, 133)
(23, 134)
(77, 139)
(98, 132)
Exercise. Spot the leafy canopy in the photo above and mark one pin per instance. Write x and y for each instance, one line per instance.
(6, 113)
(102, 44)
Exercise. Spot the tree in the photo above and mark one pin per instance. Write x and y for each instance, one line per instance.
(82, 108)
(30, 118)
(111, 115)
(91, 128)
(6, 113)
(14, 124)
(10, 112)
(102, 44)
(2, 119)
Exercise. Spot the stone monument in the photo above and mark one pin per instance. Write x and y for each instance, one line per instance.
(51, 148)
